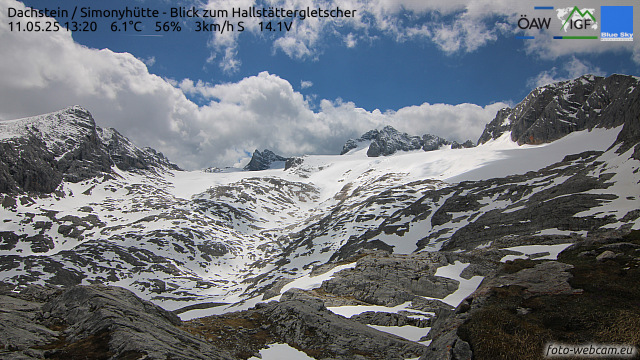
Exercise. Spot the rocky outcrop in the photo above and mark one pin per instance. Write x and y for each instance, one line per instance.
(465, 145)
(353, 143)
(127, 156)
(96, 322)
(332, 335)
(555, 110)
(390, 280)
(263, 160)
(433, 142)
(533, 303)
(293, 162)
(389, 319)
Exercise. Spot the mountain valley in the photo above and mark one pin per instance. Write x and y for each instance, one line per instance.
(408, 251)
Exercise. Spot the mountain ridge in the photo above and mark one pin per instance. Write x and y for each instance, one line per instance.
(552, 111)
(388, 141)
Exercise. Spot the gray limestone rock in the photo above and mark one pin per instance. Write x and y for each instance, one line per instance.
(433, 142)
(550, 277)
(392, 280)
(66, 145)
(389, 319)
(606, 255)
(44, 323)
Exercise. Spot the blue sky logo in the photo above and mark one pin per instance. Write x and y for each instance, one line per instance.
(617, 23)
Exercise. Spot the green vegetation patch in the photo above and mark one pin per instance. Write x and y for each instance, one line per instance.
(513, 326)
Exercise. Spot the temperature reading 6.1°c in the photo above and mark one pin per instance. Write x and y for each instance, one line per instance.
(276, 26)
(126, 25)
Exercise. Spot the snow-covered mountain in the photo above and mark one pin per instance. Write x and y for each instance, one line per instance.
(83, 205)
(39, 152)
(389, 140)
(552, 111)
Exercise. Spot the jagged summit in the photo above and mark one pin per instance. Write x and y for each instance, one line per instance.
(39, 152)
(388, 141)
(555, 110)
(263, 160)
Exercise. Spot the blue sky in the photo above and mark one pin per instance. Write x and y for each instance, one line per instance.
(205, 99)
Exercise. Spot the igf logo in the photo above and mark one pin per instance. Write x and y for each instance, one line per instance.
(575, 18)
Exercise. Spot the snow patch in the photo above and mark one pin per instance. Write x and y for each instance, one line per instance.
(466, 286)
(528, 250)
(411, 333)
(308, 282)
(280, 352)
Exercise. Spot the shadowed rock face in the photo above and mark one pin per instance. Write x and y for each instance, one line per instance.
(44, 150)
(263, 160)
(553, 111)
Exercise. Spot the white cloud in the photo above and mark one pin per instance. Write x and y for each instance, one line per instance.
(305, 84)
(454, 26)
(455, 122)
(45, 72)
(149, 61)
(350, 40)
(570, 70)
(230, 63)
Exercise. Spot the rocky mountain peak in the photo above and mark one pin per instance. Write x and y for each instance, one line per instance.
(263, 160)
(552, 111)
(39, 152)
(389, 140)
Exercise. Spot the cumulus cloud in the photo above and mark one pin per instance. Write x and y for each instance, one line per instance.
(48, 71)
(305, 84)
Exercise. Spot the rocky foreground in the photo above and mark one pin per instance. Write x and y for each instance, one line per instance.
(520, 306)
